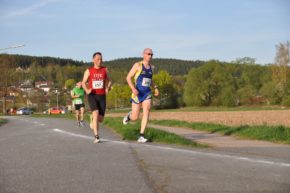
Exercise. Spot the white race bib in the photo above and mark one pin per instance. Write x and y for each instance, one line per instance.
(78, 101)
(146, 82)
(97, 84)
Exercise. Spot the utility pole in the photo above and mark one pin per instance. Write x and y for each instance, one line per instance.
(5, 92)
(57, 98)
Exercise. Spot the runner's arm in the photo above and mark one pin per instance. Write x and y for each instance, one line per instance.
(84, 82)
(108, 82)
(72, 94)
(130, 75)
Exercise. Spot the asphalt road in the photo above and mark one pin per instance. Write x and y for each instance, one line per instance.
(40, 155)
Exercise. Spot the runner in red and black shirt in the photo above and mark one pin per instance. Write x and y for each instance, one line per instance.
(98, 86)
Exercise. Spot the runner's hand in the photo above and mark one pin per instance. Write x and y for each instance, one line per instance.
(107, 90)
(88, 91)
(135, 91)
(156, 92)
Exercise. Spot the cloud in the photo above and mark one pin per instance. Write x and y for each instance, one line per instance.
(29, 9)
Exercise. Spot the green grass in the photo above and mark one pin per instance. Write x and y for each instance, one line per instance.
(131, 132)
(278, 134)
(2, 121)
(69, 116)
(66, 116)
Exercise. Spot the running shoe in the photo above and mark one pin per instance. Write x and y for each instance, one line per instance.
(97, 139)
(82, 123)
(142, 139)
(79, 123)
(126, 119)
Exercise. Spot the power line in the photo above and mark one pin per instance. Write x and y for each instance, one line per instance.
(13, 47)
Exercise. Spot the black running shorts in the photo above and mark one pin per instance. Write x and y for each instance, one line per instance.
(97, 102)
(79, 106)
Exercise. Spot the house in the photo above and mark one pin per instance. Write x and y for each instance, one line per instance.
(26, 87)
(10, 99)
(44, 85)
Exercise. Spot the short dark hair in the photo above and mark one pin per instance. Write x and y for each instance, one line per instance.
(97, 53)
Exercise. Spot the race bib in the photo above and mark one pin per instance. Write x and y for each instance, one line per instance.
(78, 101)
(97, 84)
(146, 82)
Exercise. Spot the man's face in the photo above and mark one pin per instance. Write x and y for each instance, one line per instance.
(97, 60)
(79, 84)
(147, 54)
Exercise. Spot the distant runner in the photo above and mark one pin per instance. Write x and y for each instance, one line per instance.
(78, 94)
(99, 85)
(141, 91)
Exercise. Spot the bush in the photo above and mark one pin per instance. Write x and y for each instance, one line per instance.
(228, 98)
(245, 94)
(286, 101)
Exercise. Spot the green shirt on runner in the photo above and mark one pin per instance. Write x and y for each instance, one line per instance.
(78, 92)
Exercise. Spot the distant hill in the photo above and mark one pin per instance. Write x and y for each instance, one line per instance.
(25, 61)
(173, 66)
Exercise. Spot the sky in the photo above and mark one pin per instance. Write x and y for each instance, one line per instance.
(182, 29)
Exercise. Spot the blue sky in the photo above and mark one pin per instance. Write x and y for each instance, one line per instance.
(181, 29)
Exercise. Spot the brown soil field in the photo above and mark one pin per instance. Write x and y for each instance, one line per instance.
(233, 118)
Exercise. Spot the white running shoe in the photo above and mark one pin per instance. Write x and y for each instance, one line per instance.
(82, 123)
(142, 139)
(97, 140)
(126, 119)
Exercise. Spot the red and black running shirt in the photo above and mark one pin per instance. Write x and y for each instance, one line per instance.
(97, 80)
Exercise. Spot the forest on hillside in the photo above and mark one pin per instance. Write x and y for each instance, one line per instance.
(181, 83)
(173, 66)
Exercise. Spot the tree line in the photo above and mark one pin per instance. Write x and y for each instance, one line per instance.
(181, 83)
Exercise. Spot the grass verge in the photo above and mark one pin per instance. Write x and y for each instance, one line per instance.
(278, 134)
(131, 132)
(66, 116)
(2, 121)
(69, 116)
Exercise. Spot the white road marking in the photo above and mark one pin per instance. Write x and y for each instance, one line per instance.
(88, 137)
(261, 161)
(225, 156)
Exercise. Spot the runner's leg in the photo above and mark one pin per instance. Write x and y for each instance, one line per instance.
(82, 113)
(101, 118)
(95, 122)
(77, 115)
(135, 111)
(91, 121)
(102, 108)
(146, 106)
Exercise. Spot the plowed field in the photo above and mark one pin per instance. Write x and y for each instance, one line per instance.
(268, 117)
